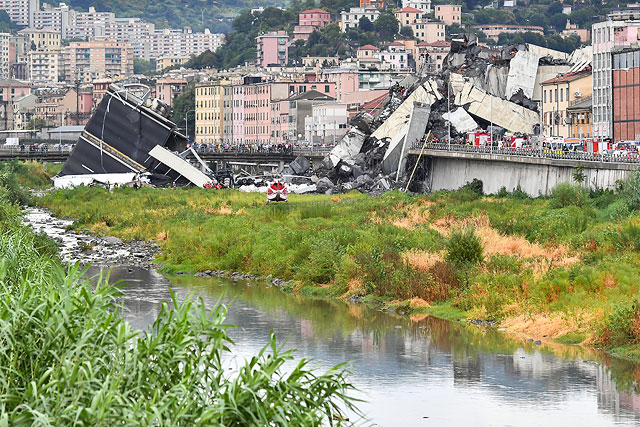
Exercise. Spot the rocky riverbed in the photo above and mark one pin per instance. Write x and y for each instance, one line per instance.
(87, 248)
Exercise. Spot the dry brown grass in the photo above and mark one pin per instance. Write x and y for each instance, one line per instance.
(422, 260)
(542, 257)
(161, 236)
(551, 325)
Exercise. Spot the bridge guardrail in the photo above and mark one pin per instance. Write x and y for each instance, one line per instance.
(532, 153)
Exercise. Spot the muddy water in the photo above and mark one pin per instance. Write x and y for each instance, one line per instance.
(422, 372)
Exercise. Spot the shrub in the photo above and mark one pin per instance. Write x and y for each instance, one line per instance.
(474, 186)
(629, 190)
(622, 326)
(567, 194)
(464, 247)
(578, 174)
(628, 237)
(617, 211)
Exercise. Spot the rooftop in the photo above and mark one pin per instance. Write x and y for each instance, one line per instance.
(368, 47)
(408, 10)
(568, 77)
(440, 43)
(314, 11)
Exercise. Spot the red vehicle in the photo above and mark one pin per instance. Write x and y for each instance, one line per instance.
(478, 138)
(276, 192)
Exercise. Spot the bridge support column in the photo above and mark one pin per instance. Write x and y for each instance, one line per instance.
(280, 166)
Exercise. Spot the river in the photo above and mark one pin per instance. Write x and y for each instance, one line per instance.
(422, 372)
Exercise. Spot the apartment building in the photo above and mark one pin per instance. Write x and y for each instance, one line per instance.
(272, 49)
(85, 61)
(209, 113)
(227, 114)
(618, 32)
(179, 43)
(422, 5)
(426, 30)
(449, 13)
(626, 95)
(432, 54)
(42, 38)
(5, 65)
(168, 89)
(408, 16)
(21, 11)
(327, 123)
(317, 18)
(352, 18)
(164, 62)
(238, 114)
(13, 89)
(44, 66)
(560, 93)
(378, 4)
(494, 30)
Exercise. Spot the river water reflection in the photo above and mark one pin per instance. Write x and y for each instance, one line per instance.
(413, 372)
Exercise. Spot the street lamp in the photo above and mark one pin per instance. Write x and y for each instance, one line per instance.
(186, 123)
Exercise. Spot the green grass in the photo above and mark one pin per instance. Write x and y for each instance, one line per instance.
(626, 352)
(571, 338)
(584, 262)
(69, 358)
(444, 311)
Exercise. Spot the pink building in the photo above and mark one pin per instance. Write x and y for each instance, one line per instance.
(314, 18)
(283, 131)
(407, 16)
(367, 51)
(13, 89)
(272, 49)
(169, 88)
(449, 13)
(238, 114)
(302, 32)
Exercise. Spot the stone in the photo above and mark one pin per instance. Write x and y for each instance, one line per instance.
(112, 240)
(324, 184)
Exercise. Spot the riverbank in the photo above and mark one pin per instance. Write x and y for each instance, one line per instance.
(561, 268)
(70, 357)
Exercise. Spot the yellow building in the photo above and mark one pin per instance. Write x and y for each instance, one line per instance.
(209, 113)
(42, 38)
(558, 95)
(165, 62)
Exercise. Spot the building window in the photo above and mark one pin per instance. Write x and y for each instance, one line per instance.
(561, 95)
(567, 94)
(545, 97)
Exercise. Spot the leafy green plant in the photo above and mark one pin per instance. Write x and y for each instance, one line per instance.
(464, 247)
(578, 175)
(630, 190)
(567, 194)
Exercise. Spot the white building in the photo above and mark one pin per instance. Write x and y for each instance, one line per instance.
(20, 11)
(147, 41)
(327, 123)
(5, 64)
(352, 18)
(619, 31)
(395, 56)
(44, 66)
(423, 5)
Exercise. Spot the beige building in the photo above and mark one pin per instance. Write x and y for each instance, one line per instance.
(560, 93)
(448, 13)
(494, 30)
(428, 31)
(86, 61)
(209, 113)
(42, 38)
(164, 62)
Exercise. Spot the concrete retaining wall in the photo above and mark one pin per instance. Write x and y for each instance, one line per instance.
(534, 178)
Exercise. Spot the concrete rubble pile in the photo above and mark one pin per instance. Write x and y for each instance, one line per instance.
(476, 87)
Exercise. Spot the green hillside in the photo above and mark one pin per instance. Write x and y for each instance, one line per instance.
(216, 15)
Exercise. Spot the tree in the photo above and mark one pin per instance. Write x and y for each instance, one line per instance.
(559, 21)
(406, 32)
(365, 24)
(141, 66)
(182, 106)
(386, 26)
(554, 8)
